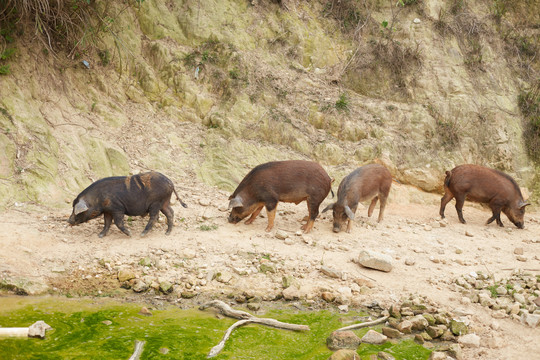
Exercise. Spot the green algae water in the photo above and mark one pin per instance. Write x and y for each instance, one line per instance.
(107, 329)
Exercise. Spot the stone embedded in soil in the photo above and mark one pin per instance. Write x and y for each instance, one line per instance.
(374, 337)
(342, 340)
(531, 320)
(328, 296)
(375, 260)
(139, 286)
(381, 355)
(344, 354)
(165, 287)
(144, 311)
(458, 327)
(126, 275)
(330, 272)
(281, 235)
(405, 327)
(469, 340)
(391, 333)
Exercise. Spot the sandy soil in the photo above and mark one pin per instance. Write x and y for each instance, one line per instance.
(37, 243)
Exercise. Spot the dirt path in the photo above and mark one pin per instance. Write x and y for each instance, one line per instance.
(37, 243)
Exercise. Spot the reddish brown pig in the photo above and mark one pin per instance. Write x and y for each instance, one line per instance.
(484, 185)
(369, 182)
(288, 181)
(136, 195)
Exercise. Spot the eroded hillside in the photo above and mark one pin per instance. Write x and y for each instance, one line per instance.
(208, 89)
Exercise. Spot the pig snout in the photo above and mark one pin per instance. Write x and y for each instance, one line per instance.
(336, 228)
(233, 219)
(71, 220)
(519, 224)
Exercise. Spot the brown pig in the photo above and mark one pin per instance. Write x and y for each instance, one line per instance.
(369, 182)
(288, 181)
(484, 185)
(114, 197)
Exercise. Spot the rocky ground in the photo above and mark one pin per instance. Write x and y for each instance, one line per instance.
(483, 275)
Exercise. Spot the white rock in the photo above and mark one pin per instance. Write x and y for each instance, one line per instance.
(469, 340)
(282, 235)
(374, 260)
(373, 337)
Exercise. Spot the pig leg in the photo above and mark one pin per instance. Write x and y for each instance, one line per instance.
(119, 222)
(349, 226)
(313, 213)
(445, 200)
(382, 207)
(496, 216)
(154, 213)
(460, 200)
(372, 206)
(271, 207)
(254, 215)
(169, 213)
(108, 220)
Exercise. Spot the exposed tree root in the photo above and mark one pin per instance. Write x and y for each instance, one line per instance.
(364, 324)
(246, 318)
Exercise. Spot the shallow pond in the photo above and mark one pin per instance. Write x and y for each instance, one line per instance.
(107, 329)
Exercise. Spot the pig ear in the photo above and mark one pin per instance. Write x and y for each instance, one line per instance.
(349, 213)
(235, 202)
(80, 207)
(329, 207)
(523, 204)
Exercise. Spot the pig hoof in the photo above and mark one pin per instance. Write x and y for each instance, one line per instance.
(144, 233)
(168, 232)
(101, 234)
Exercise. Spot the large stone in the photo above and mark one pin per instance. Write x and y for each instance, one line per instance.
(390, 332)
(345, 354)
(374, 260)
(343, 340)
(330, 272)
(469, 340)
(531, 320)
(139, 286)
(405, 327)
(381, 355)
(38, 329)
(373, 337)
(458, 328)
(419, 323)
(126, 275)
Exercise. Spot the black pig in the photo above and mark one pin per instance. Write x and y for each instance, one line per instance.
(136, 195)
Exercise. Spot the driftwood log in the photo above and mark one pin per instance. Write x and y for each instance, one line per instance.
(245, 318)
(37, 329)
(139, 346)
(364, 324)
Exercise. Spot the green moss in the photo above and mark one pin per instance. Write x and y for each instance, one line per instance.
(81, 330)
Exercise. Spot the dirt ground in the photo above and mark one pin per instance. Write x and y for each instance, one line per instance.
(37, 243)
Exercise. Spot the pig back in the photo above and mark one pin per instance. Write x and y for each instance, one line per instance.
(364, 183)
(289, 181)
(482, 184)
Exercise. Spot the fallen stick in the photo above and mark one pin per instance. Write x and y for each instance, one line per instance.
(37, 329)
(364, 324)
(246, 318)
(139, 345)
(217, 349)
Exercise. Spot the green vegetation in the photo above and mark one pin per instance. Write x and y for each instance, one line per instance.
(205, 227)
(111, 329)
(342, 104)
(529, 103)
